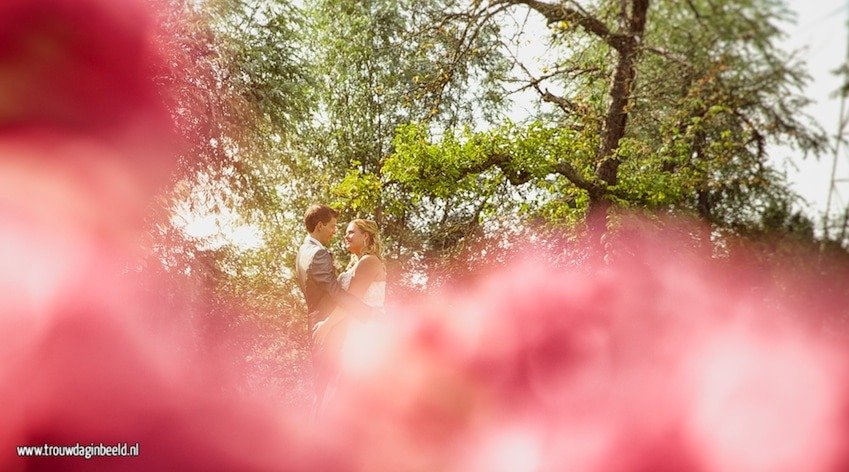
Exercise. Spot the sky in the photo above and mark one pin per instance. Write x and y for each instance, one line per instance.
(821, 30)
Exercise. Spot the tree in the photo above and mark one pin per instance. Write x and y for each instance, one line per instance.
(241, 91)
(376, 73)
(661, 105)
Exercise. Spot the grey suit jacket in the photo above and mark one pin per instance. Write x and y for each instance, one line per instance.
(317, 279)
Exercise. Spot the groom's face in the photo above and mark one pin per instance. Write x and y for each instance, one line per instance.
(325, 231)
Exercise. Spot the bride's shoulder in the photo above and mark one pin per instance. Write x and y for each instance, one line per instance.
(370, 263)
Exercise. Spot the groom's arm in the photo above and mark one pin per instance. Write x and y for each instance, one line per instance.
(321, 271)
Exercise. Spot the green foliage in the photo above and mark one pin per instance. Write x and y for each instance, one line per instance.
(358, 192)
(479, 165)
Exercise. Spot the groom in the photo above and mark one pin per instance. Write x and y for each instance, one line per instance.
(322, 292)
(316, 272)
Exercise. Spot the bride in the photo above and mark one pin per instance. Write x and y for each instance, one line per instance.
(340, 335)
(366, 273)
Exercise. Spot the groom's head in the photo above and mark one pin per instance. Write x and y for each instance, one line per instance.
(320, 221)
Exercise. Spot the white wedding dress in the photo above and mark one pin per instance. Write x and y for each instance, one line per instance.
(367, 343)
(375, 295)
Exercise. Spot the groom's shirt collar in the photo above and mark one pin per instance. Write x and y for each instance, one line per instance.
(310, 238)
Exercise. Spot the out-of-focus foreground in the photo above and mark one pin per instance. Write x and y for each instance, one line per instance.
(660, 346)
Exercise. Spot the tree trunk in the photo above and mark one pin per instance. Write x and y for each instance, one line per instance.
(616, 120)
(621, 90)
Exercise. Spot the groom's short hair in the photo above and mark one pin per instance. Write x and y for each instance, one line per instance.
(318, 214)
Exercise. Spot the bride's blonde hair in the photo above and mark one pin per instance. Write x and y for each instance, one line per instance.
(374, 245)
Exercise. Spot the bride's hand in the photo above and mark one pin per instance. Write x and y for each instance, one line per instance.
(322, 330)
(319, 333)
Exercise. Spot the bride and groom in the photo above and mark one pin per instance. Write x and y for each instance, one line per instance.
(338, 304)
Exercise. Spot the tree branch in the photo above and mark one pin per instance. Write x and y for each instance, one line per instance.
(566, 169)
(567, 106)
(555, 13)
(670, 55)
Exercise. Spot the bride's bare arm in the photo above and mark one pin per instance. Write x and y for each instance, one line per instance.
(369, 269)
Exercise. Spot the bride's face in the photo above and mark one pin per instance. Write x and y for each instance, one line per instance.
(355, 239)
